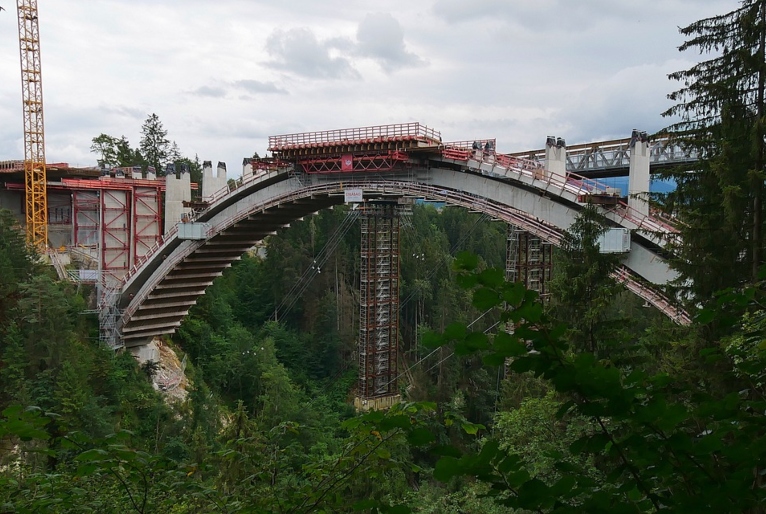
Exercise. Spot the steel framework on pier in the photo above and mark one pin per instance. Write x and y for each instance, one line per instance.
(379, 301)
(529, 260)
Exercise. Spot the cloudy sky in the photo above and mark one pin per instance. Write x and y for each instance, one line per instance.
(224, 75)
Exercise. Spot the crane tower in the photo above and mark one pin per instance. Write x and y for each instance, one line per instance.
(34, 134)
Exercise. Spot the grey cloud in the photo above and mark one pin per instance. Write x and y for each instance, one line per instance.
(213, 92)
(592, 112)
(256, 86)
(121, 110)
(381, 38)
(559, 15)
(298, 51)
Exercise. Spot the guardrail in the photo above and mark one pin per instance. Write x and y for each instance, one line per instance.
(658, 300)
(344, 136)
(571, 182)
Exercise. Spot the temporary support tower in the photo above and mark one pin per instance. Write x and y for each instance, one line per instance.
(379, 306)
(529, 260)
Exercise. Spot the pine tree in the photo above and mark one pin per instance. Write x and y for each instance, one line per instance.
(721, 110)
(155, 146)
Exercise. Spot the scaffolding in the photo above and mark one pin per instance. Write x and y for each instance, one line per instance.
(379, 306)
(529, 260)
(512, 253)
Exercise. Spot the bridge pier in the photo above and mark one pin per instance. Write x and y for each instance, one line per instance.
(177, 191)
(555, 156)
(638, 173)
(212, 182)
(379, 307)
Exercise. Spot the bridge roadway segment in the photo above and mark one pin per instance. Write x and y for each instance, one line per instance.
(157, 294)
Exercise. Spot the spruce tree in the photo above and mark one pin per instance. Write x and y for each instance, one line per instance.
(155, 146)
(719, 111)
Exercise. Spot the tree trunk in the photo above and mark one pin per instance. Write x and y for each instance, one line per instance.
(758, 181)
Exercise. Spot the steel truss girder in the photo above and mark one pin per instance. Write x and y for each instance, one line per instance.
(367, 162)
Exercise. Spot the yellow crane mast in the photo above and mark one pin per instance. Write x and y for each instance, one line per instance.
(34, 133)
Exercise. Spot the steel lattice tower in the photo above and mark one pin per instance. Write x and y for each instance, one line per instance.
(379, 306)
(529, 260)
(34, 133)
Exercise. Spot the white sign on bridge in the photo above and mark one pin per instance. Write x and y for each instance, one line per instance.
(353, 196)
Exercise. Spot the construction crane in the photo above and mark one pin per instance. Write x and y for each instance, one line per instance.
(34, 133)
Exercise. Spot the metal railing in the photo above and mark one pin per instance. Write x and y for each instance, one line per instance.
(657, 299)
(571, 183)
(396, 132)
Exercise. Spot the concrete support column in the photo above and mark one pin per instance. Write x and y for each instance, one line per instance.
(556, 156)
(247, 167)
(177, 191)
(212, 182)
(638, 173)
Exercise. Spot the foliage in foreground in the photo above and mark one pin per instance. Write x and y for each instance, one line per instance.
(646, 442)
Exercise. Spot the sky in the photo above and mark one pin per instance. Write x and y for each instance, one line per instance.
(224, 75)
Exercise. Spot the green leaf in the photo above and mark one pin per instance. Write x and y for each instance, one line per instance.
(477, 341)
(508, 345)
(492, 277)
(493, 359)
(433, 340)
(446, 468)
(365, 504)
(513, 293)
(485, 298)
(532, 312)
(473, 428)
(467, 261)
(455, 331)
(397, 421)
(445, 451)
(705, 316)
(466, 281)
(420, 436)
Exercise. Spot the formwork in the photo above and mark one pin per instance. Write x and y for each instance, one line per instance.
(379, 306)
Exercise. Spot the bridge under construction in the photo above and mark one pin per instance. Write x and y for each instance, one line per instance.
(153, 251)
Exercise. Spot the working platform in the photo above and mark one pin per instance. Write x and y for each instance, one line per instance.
(379, 139)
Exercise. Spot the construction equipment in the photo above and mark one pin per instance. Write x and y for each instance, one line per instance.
(34, 134)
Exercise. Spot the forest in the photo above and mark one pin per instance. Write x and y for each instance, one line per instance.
(586, 400)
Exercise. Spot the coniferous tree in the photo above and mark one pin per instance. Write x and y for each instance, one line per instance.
(583, 290)
(720, 111)
(155, 146)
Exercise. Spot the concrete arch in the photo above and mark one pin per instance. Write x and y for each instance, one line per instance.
(157, 295)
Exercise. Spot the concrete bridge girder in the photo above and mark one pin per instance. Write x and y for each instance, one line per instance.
(259, 208)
